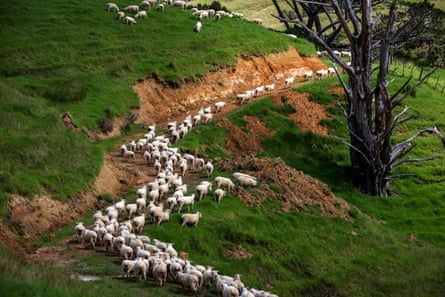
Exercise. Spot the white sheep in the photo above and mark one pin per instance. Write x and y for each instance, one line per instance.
(190, 219)
(186, 200)
(219, 194)
(219, 105)
(269, 87)
(132, 9)
(226, 182)
(120, 15)
(307, 75)
(180, 3)
(112, 7)
(202, 190)
(127, 267)
(90, 237)
(331, 71)
(245, 181)
(141, 15)
(258, 21)
(208, 167)
(198, 26)
(161, 217)
(160, 273)
(126, 251)
(188, 282)
(132, 209)
(129, 20)
(79, 228)
(160, 7)
(289, 81)
(138, 223)
(321, 73)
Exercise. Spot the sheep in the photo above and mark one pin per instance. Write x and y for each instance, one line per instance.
(321, 73)
(246, 181)
(202, 190)
(289, 81)
(269, 87)
(207, 117)
(242, 97)
(219, 105)
(229, 291)
(130, 155)
(180, 4)
(141, 204)
(129, 20)
(259, 90)
(132, 9)
(161, 217)
(107, 241)
(307, 75)
(221, 181)
(112, 7)
(79, 228)
(132, 209)
(127, 267)
(331, 71)
(120, 15)
(198, 26)
(186, 200)
(160, 7)
(140, 268)
(138, 223)
(188, 282)
(141, 14)
(126, 251)
(209, 276)
(171, 250)
(190, 219)
(208, 167)
(145, 4)
(219, 194)
(160, 273)
(258, 21)
(90, 237)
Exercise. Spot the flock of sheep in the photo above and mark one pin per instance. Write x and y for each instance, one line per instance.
(140, 11)
(118, 229)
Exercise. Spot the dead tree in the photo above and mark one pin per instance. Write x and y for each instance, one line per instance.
(370, 109)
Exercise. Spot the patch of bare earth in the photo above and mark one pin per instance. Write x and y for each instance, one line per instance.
(41, 215)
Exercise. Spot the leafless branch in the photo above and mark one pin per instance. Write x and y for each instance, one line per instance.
(352, 147)
(414, 160)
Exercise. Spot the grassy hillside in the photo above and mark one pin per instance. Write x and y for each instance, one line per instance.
(76, 57)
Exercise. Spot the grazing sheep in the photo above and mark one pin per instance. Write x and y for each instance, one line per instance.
(160, 7)
(198, 26)
(258, 21)
(219, 194)
(190, 219)
(120, 15)
(202, 190)
(127, 267)
(141, 15)
(112, 7)
(180, 4)
(331, 71)
(129, 21)
(224, 182)
(132, 9)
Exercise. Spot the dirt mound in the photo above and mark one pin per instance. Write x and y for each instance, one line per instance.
(279, 182)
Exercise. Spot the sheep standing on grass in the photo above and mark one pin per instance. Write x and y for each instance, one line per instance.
(190, 219)
(120, 15)
(198, 26)
(90, 237)
(132, 9)
(219, 194)
(79, 228)
(141, 15)
(188, 282)
(129, 20)
(112, 7)
(208, 167)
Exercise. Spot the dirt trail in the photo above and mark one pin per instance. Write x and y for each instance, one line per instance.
(159, 104)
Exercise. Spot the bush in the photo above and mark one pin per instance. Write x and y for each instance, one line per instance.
(106, 124)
